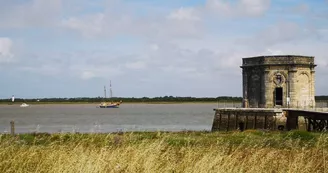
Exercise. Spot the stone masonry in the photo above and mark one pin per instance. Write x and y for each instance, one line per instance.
(278, 81)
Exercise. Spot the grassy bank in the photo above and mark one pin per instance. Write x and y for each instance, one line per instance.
(250, 151)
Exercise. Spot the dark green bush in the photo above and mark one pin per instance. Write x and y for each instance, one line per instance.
(297, 134)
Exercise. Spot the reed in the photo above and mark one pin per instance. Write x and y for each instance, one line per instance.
(249, 151)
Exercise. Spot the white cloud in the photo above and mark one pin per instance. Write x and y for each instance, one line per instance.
(181, 24)
(138, 65)
(89, 71)
(184, 14)
(254, 7)
(35, 13)
(87, 75)
(280, 32)
(242, 8)
(275, 52)
(301, 8)
(92, 25)
(219, 6)
(46, 69)
(6, 54)
(197, 46)
(154, 47)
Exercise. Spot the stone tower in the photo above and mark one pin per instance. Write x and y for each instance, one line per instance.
(278, 81)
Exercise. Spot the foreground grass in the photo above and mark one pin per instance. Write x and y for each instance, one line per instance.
(250, 151)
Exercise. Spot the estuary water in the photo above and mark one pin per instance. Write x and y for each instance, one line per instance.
(86, 118)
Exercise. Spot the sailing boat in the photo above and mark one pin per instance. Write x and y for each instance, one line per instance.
(111, 104)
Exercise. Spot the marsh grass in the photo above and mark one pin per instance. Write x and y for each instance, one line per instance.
(248, 151)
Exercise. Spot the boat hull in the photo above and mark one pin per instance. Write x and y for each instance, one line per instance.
(109, 106)
(24, 105)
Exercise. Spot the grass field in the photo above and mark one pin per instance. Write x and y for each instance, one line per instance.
(249, 151)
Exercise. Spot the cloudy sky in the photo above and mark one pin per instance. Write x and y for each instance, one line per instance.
(72, 48)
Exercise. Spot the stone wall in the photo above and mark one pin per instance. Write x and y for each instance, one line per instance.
(227, 119)
(278, 60)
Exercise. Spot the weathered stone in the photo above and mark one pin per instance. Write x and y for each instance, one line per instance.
(278, 81)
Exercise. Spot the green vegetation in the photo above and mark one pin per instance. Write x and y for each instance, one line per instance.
(165, 99)
(248, 151)
(325, 98)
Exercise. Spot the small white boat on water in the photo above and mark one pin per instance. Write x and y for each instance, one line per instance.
(23, 105)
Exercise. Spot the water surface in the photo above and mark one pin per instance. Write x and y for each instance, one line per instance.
(87, 118)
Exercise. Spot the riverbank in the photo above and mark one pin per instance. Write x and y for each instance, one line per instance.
(39, 103)
(249, 151)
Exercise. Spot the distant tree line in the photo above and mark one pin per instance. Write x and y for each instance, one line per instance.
(142, 99)
(130, 99)
(323, 98)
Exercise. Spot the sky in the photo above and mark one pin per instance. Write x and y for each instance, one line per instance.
(72, 48)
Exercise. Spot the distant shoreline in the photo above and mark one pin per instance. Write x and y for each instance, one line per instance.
(43, 103)
(156, 102)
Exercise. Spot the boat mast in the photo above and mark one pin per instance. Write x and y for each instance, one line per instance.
(110, 89)
(105, 90)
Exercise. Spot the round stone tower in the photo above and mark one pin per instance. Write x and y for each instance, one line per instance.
(278, 81)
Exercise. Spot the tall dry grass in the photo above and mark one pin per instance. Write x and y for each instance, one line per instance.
(250, 151)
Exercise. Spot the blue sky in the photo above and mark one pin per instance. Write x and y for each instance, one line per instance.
(58, 48)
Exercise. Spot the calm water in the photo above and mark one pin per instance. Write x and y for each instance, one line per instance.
(88, 118)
